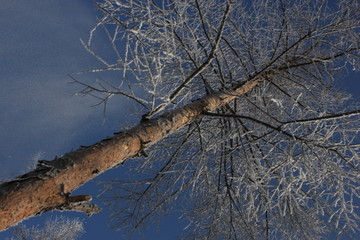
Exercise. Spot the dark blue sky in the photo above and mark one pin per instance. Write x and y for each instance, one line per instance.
(39, 46)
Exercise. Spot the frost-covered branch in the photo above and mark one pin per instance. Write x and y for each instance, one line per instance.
(58, 228)
(279, 160)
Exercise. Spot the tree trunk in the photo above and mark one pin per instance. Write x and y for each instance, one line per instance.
(48, 186)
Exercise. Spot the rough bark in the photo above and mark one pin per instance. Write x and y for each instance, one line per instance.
(48, 186)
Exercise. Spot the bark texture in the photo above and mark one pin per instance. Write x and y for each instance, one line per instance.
(48, 186)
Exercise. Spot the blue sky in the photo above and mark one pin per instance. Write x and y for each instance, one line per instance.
(40, 116)
(39, 46)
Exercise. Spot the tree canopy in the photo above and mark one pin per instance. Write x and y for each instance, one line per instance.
(278, 161)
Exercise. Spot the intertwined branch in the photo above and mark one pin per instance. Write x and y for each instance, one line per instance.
(281, 160)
